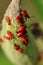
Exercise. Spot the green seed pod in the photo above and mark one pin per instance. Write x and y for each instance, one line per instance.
(29, 55)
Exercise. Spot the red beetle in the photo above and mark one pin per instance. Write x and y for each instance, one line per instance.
(19, 34)
(24, 40)
(21, 29)
(20, 50)
(24, 13)
(16, 47)
(1, 40)
(5, 37)
(0, 25)
(9, 34)
(19, 19)
(8, 20)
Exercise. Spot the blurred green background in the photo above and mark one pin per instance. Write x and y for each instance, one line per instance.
(33, 7)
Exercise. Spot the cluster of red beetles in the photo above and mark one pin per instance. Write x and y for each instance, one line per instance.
(20, 31)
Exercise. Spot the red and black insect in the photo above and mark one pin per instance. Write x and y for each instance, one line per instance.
(24, 13)
(1, 40)
(21, 29)
(8, 20)
(9, 34)
(20, 34)
(24, 40)
(6, 37)
(16, 47)
(19, 19)
(0, 25)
